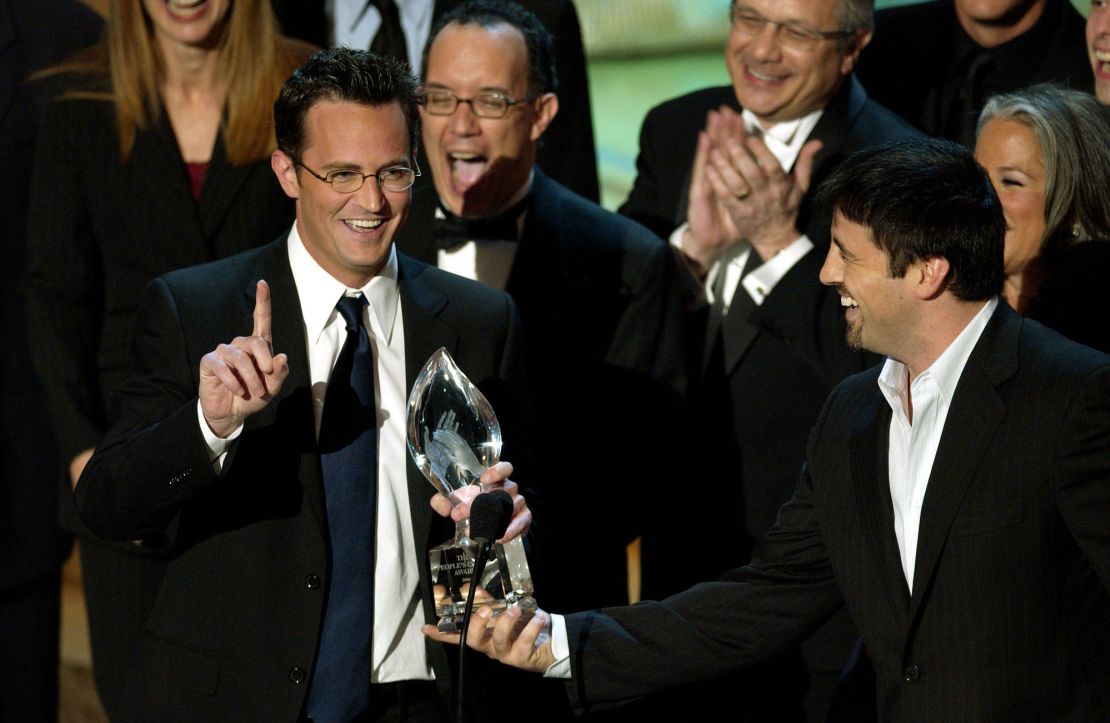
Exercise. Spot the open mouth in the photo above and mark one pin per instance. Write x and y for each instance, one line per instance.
(848, 302)
(1103, 58)
(467, 169)
(764, 76)
(184, 5)
(363, 225)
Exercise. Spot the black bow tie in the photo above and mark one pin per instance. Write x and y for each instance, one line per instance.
(451, 231)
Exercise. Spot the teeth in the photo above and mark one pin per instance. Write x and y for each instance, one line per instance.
(848, 301)
(184, 4)
(761, 76)
(463, 156)
(1102, 56)
(364, 223)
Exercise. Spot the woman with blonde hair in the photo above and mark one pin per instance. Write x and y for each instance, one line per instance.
(155, 156)
(1047, 151)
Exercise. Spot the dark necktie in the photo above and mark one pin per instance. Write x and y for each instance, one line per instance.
(349, 459)
(969, 98)
(390, 38)
(450, 231)
(742, 305)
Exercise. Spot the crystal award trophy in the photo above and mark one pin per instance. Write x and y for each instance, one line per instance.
(453, 436)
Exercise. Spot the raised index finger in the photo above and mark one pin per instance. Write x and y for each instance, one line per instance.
(262, 311)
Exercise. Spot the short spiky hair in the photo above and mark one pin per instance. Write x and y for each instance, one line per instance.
(925, 198)
(542, 76)
(343, 74)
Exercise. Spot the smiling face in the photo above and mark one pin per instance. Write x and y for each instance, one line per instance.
(879, 308)
(1098, 46)
(348, 234)
(196, 23)
(1009, 151)
(479, 164)
(779, 84)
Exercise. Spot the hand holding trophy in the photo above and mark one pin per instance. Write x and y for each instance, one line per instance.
(453, 436)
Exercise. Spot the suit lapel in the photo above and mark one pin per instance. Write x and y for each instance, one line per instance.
(156, 164)
(293, 408)
(540, 270)
(867, 455)
(222, 184)
(972, 421)
(421, 305)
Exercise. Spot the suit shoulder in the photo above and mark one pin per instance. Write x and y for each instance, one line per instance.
(694, 104)
(593, 226)
(473, 295)
(1042, 348)
(878, 124)
(215, 278)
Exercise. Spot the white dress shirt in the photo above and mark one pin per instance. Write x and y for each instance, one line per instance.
(490, 262)
(398, 644)
(911, 452)
(354, 23)
(914, 442)
(784, 141)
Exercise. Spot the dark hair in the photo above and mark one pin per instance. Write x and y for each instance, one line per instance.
(542, 77)
(343, 74)
(925, 198)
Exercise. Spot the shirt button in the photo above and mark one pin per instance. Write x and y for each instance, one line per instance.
(312, 582)
(913, 673)
(296, 674)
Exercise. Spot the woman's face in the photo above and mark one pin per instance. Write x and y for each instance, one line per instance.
(195, 23)
(1013, 159)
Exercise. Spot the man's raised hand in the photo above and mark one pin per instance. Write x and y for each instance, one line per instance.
(240, 378)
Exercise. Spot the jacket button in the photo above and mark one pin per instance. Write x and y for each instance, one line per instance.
(296, 674)
(913, 673)
(312, 582)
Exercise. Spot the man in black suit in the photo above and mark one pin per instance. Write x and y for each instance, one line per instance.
(955, 500)
(33, 36)
(724, 173)
(235, 460)
(568, 154)
(592, 288)
(936, 63)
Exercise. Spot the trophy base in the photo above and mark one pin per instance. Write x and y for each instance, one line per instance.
(506, 581)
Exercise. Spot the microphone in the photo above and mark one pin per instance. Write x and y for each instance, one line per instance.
(490, 514)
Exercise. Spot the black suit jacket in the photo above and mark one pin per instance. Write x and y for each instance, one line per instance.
(750, 417)
(33, 36)
(567, 151)
(598, 311)
(911, 67)
(101, 229)
(1010, 594)
(234, 631)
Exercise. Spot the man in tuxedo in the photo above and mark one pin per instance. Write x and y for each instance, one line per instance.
(278, 469)
(593, 288)
(1098, 48)
(401, 28)
(936, 63)
(724, 173)
(955, 499)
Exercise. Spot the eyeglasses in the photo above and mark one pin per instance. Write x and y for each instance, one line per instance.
(792, 35)
(348, 180)
(483, 105)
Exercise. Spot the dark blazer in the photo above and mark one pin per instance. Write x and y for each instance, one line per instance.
(1010, 594)
(100, 230)
(567, 151)
(234, 631)
(597, 308)
(912, 64)
(753, 409)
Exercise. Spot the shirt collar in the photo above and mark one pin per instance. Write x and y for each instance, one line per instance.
(785, 139)
(319, 291)
(946, 371)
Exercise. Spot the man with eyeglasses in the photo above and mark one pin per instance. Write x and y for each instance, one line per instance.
(592, 287)
(264, 432)
(936, 63)
(725, 174)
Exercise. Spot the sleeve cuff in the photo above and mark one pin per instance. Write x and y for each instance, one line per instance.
(560, 648)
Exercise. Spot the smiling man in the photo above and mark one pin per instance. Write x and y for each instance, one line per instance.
(592, 287)
(954, 499)
(725, 174)
(263, 430)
